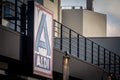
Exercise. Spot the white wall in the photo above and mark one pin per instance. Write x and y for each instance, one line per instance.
(72, 18)
(94, 24)
(85, 22)
(54, 7)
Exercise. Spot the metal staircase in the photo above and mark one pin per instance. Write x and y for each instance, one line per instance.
(66, 39)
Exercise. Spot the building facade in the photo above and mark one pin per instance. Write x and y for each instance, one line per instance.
(88, 60)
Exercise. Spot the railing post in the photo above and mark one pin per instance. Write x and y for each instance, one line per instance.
(98, 55)
(23, 18)
(114, 63)
(85, 49)
(70, 41)
(78, 54)
(16, 4)
(0, 12)
(104, 59)
(61, 36)
(92, 52)
(109, 61)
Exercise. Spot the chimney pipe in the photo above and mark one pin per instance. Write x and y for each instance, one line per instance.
(89, 5)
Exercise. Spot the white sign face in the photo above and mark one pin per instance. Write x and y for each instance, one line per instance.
(43, 41)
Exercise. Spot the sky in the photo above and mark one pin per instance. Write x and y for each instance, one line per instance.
(108, 7)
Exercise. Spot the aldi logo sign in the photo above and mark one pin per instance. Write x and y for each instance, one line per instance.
(43, 41)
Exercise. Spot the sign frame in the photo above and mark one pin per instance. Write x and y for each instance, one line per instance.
(43, 35)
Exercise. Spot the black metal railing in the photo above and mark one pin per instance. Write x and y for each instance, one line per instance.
(66, 39)
(13, 15)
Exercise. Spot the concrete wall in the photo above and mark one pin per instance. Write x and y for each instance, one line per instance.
(9, 43)
(54, 7)
(110, 43)
(94, 24)
(85, 22)
(72, 18)
(78, 68)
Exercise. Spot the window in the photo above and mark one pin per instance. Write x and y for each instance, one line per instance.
(52, 0)
(40, 1)
(7, 10)
(8, 14)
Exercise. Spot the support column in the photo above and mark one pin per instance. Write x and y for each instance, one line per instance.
(66, 61)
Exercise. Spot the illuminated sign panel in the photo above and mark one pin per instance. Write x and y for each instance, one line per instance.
(43, 38)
